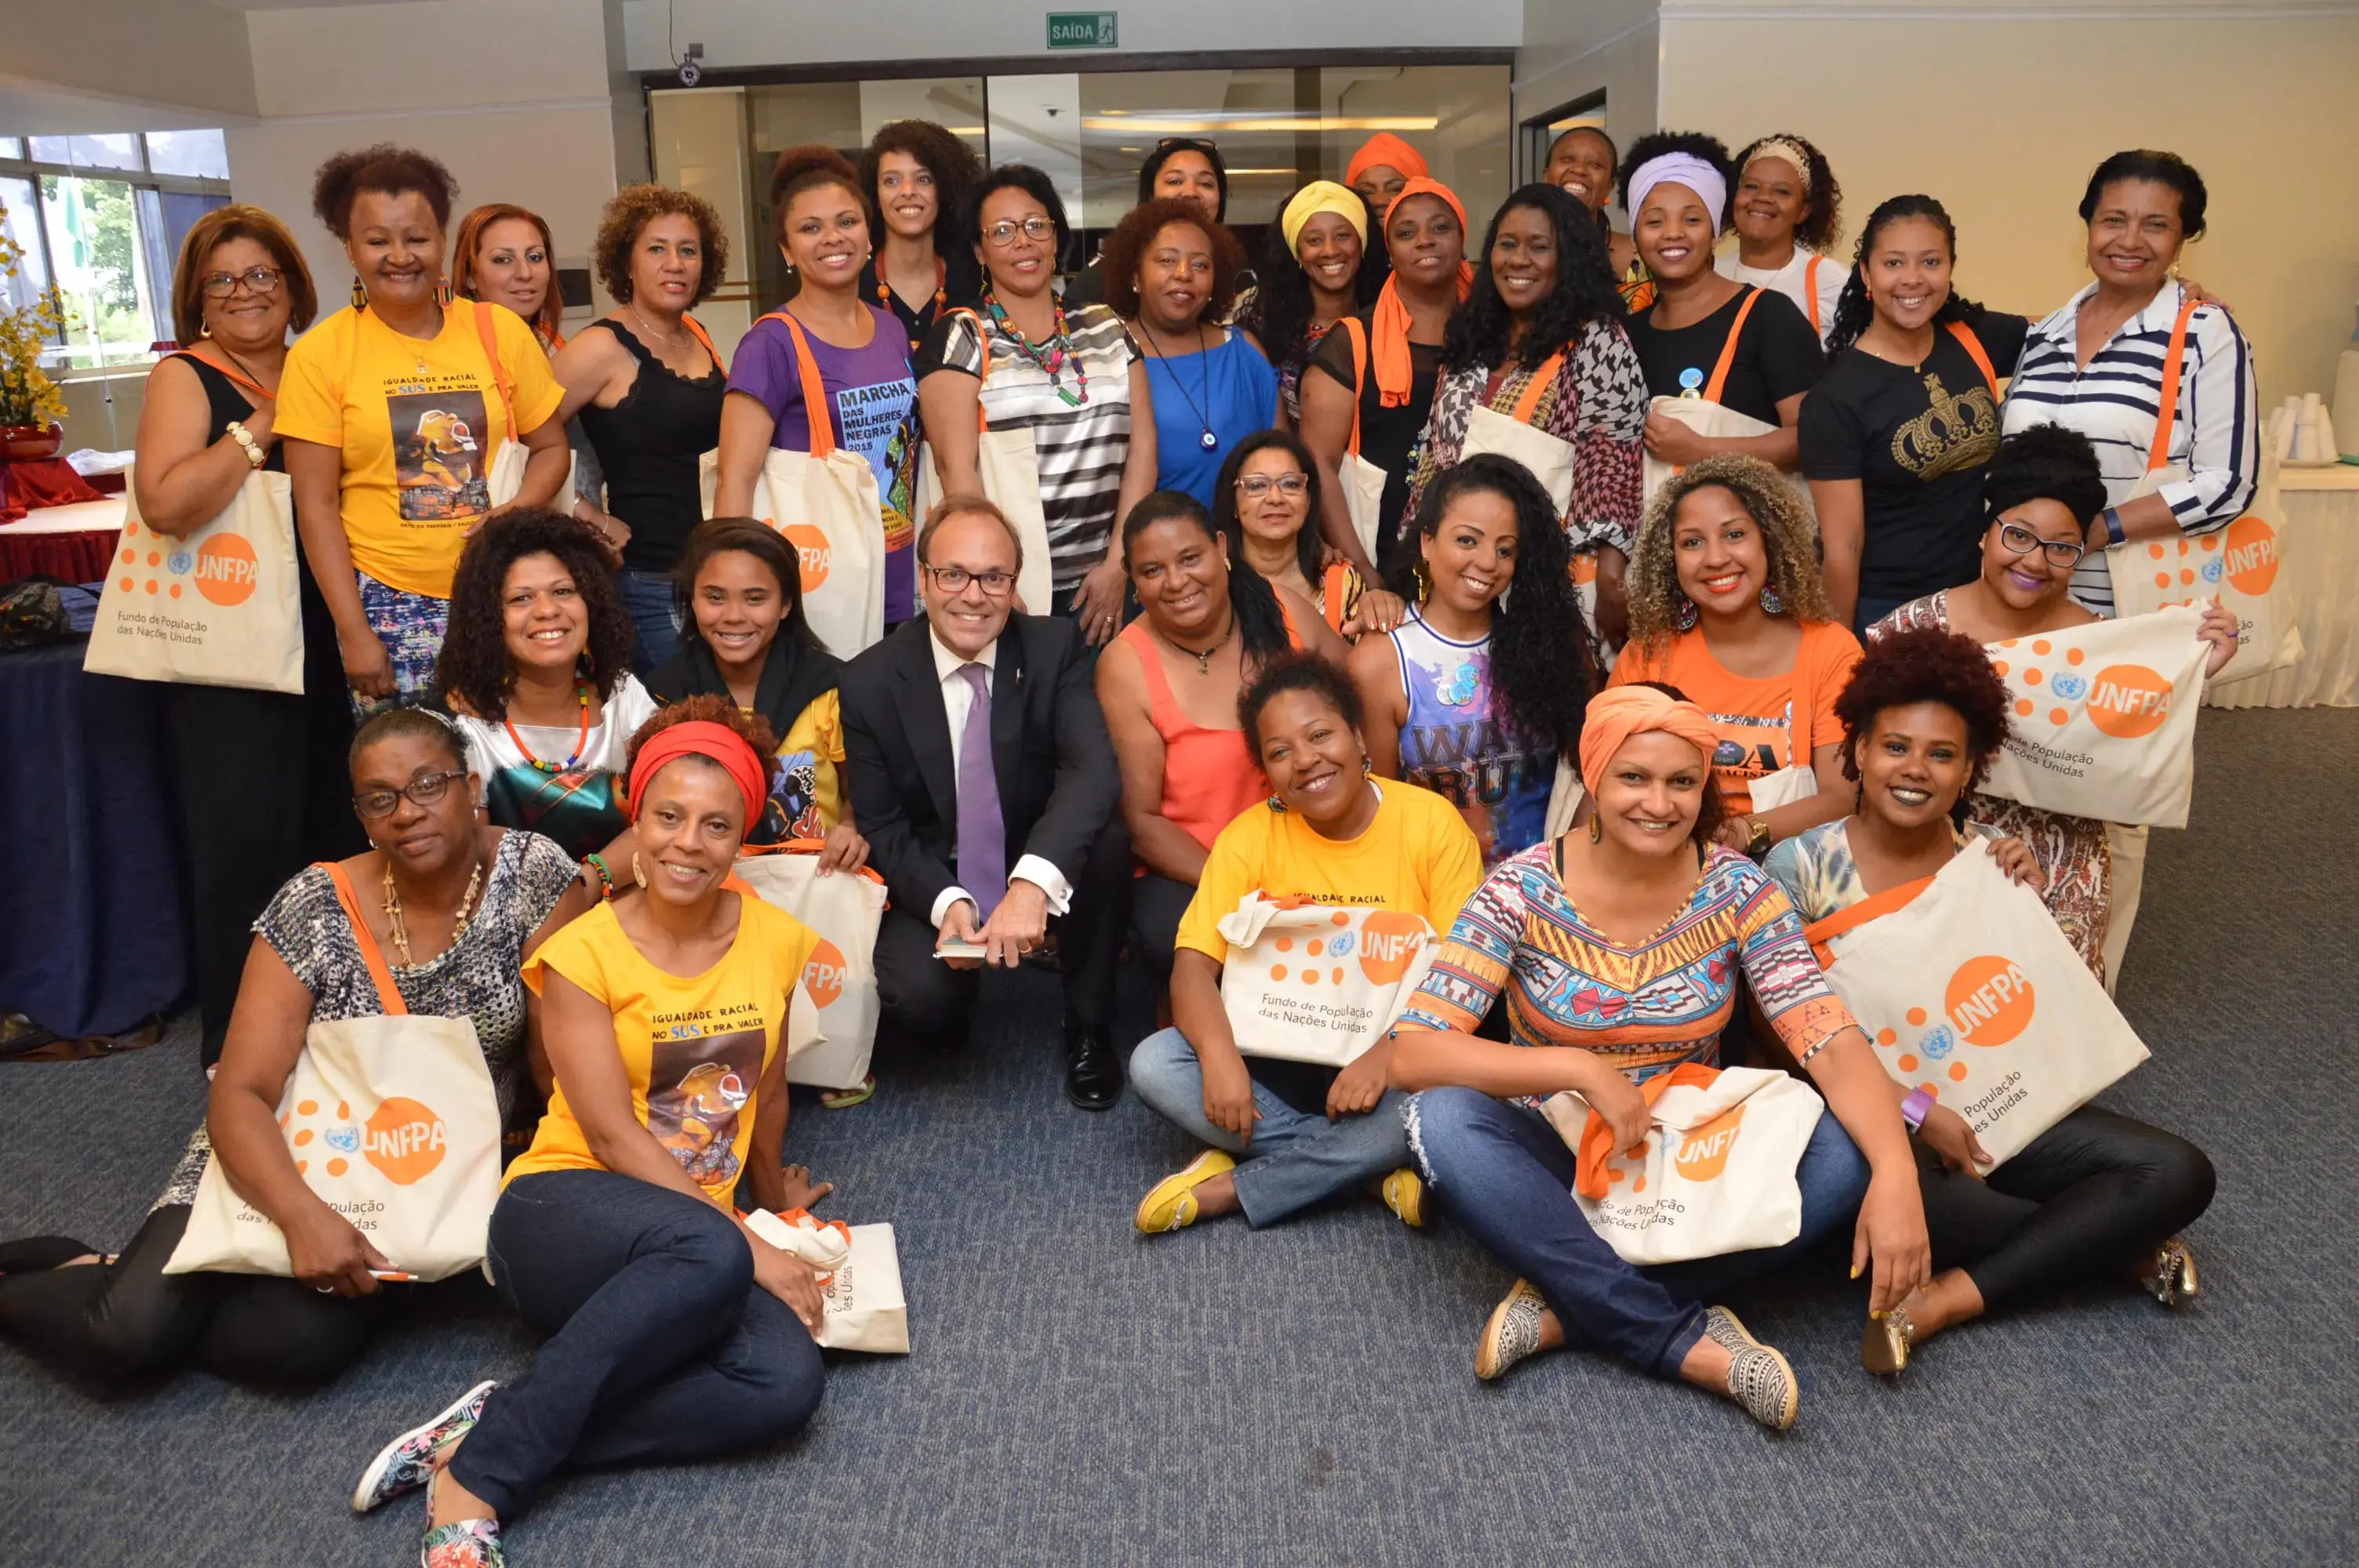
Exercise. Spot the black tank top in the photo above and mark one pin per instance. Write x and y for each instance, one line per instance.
(225, 401)
(648, 444)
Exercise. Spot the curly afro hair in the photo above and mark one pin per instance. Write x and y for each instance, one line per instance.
(627, 216)
(1900, 669)
(1132, 236)
(1787, 537)
(2045, 463)
(1297, 672)
(1481, 332)
(1823, 209)
(711, 708)
(474, 666)
(807, 168)
(1654, 143)
(386, 169)
(948, 158)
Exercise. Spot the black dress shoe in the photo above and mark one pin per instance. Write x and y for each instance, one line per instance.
(1092, 1069)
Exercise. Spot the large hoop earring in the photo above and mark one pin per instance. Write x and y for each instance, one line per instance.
(360, 295)
(638, 873)
(1596, 825)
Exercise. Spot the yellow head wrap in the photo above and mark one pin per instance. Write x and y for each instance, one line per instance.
(1323, 196)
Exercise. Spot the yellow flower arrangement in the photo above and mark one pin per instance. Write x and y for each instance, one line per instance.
(27, 397)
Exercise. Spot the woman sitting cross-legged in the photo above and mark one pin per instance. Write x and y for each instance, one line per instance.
(1169, 683)
(536, 674)
(1618, 950)
(2097, 1196)
(1329, 834)
(456, 908)
(673, 1332)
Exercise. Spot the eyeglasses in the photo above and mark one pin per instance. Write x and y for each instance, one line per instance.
(954, 580)
(2023, 541)
(257, 280)
(424, 790)
(1289, 485)
(1003, 233)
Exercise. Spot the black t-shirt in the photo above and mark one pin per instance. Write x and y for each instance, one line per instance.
(1389, 437)
(955, 293)
(1918, 437)
(1778, 354)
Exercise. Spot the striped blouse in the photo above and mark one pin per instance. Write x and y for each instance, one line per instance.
(1652, 1006)
(1081, 447)
(2215, 435)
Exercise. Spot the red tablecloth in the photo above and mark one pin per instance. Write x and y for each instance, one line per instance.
(73, 543)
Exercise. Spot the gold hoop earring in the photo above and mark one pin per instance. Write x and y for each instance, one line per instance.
(1596, 826)
(1424, 581)
(638, 873)
(204, 329)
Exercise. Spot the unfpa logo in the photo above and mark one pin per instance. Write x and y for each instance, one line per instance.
(812, 551)
(2127, 701)
(1704, 1153)
(1389, 939)
(222, 567)
(1989, 1001)
(403, 1139)
(2244, 555)
(824, 975)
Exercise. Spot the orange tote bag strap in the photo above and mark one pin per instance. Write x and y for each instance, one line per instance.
(705, 338)
(1820, 934)
(1597, 1137)
(822, 422)
(388, 996)
(489, 333)
(1810, 291)
(1975, 352)
(1719, 382)
(1529, 402)
(1358, 335)
(2167, 411)
(236, 378)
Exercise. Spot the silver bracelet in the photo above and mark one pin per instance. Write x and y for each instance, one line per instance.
(245, 439)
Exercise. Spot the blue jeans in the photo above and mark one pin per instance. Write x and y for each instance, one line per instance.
(1502, 1173)
(647, 596)
(1295, 1158)
(659, 1347)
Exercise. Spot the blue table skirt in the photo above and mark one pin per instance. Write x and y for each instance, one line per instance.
(93, 923)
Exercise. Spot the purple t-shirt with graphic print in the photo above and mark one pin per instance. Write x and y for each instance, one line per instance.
(873, 408)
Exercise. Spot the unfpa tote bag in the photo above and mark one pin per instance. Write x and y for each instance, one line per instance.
(826, 502)
(1970, 992)
(2104, 718)
(859, 1272)
(1314, 982)
(844, 908)
(1551, 461)
(392, 1121)
(1703, 413)
(505, 478)
(217, 607)
(1715, 1175)
(1363, 481)
(1007, 466)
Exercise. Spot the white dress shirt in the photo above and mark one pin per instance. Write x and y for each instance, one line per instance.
(958, 701)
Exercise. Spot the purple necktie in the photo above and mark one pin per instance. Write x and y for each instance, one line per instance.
(982, 832)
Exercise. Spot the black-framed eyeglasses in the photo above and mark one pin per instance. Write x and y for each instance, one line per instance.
(1289, 485)
(257, 280)
(423, 790)
(1035, 228)
(2023, 541)
(953, 579)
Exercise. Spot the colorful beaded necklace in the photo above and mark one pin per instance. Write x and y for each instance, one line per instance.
(1052, 357)
(581, 742)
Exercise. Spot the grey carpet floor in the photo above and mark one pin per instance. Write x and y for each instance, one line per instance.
(1079, 1394)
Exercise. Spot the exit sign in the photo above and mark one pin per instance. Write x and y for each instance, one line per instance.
(1082, 30)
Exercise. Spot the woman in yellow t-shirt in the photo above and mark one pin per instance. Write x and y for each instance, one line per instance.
(672, 1331)
(391, 413)
(1334, 835)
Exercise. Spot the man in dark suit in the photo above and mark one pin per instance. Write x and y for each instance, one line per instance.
(979, 769)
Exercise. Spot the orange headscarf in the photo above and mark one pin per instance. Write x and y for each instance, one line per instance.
(1395, 366)
(715, 743)
(1621, 712)
(1383, 147)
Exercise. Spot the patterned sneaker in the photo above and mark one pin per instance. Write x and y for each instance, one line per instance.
(411, 1459)
(1513, 1333)
(1404, 1194)
(462, 1543)
(1171, 1203)
(1759, 1379)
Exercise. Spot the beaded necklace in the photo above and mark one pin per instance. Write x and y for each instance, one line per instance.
(581, 742)
(1052, 357)
(941, 292)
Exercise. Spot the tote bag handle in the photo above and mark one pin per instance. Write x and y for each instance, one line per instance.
(1975, 352)
(1820, 934)
(815, 409)
(2167, 410)
(388, 997)
(486, 331)
(1719, 382)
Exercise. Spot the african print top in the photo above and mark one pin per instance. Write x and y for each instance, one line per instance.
(577, 804)
(1645, 1008)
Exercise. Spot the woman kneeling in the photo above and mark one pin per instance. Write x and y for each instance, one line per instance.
(2098, 1195)
(1329, 834)
(674, 1332)
(1618, 949)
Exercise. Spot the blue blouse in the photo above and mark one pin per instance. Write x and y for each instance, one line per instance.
(1229, 389)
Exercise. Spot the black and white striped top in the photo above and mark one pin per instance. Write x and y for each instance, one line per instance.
(1081, 448)
(2215, 435)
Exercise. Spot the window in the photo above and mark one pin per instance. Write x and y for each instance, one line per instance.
(101, 218)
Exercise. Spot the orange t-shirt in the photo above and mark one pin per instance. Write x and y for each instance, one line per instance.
(1758, 721)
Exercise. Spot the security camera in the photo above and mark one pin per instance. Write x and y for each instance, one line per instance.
(690, 70)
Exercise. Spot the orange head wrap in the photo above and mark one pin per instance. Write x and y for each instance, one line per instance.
(1395, 365)
(716, 743)
(1383, 147)
(1621, 712)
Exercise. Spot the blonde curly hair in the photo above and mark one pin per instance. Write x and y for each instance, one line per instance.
(1789, 537)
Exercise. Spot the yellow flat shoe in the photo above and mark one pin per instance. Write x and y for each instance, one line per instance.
(1404, 1194)
(1172, 1204)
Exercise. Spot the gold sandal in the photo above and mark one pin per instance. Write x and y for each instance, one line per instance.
(2167, 1275)
(1884, 1345)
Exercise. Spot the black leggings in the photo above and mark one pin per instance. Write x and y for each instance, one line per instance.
(2076, 1205)
(128, 1319)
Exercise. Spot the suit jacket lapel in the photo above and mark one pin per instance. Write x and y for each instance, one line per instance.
(1007, 711)
(928, 725)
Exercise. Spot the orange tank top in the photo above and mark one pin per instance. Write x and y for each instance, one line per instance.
(1209, 775)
